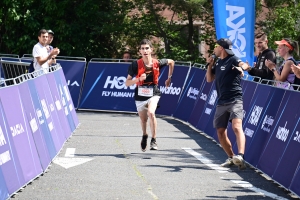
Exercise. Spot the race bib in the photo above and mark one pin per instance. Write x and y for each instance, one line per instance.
(145, 91)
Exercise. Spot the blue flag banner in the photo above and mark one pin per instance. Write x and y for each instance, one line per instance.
(235, 19)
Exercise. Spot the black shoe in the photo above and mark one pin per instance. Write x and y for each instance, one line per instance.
(144, 143)
(153, 144)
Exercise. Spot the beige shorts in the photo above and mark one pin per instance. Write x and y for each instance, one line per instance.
(143, 105)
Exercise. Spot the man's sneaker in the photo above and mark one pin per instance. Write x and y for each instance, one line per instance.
(227, 163)
(153, 144)
(144, 143)
(238, 160)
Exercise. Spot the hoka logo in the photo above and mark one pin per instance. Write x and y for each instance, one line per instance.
(117, 82)
(17, 130)
(236, 32)
(170, 90)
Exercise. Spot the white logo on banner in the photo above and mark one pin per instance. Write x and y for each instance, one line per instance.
(192, 93)
(45, 109)
(17, 130)
(255, 115)
(267, 123)
(213, 97)
(203, 96)
(170, 90)
(2, 138)
(208, 111)
(119, 84)
(236, 34)
(74, 83)
(4, 157)
(40, 116)
(297, 137)
(33, 125)
(249, 132)
(282, 133)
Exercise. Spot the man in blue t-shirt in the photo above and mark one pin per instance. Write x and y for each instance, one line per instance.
(227, 73)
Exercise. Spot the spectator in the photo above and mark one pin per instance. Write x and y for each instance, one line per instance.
(260, 69)
(296, 70)
(127, 56)
(50, 39)
(286, 48)
(42, 59)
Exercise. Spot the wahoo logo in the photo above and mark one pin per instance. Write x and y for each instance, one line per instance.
(255, 115)
(17, 130)
(203, 96)
(72, 84)
(296, 138)
(237, 30)
(170, 90)
(249, 132)
(193, 93)
(117, 82)
(213, 97)
(2, 138)
(282, 133)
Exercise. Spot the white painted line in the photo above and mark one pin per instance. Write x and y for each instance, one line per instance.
(70, 152)
(220, 169)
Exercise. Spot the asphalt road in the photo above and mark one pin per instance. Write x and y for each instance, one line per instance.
(103, 160)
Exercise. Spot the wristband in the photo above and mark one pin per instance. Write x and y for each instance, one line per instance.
(170, 76)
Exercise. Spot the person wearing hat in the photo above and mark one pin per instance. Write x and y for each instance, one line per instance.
(50, 39)
(285, 75)
(227, 73)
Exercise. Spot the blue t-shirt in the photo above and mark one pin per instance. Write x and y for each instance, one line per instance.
(228, 80)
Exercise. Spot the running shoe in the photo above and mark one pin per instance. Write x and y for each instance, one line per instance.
(153, 144)
(144, 143)
(227, 163)
(238, 160)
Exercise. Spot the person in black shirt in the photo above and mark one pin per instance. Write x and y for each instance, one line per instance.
(260, 69)
(227, 73)
(147, 94)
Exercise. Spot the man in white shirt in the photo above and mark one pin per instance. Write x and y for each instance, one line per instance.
(43, 59)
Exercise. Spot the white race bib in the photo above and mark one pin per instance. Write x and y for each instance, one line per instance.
(145, 91)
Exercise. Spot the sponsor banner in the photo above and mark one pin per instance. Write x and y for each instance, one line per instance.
(66, 129)
(186, 103)
(64, 102)
(170, 95)
(289, 161)
(266, 125)
(36, 100)
(33, 120)
(20, 133)
(235, 19)
(68, 96)
(200, 103)
(9, 163)
(208, 111)
(3, 189)
(285, 120)
(295, 186)
(73, 70)
(48, 109)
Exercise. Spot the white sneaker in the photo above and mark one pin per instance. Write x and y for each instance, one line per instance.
(239, 161)
(227, 163)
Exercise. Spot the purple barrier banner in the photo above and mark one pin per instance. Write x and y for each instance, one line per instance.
(73, 70)
(266, 126)
(67, 94)
(295, 186)
(63, 100)
(66, 128)
(20, 133)
(42, 119)
(200, 103)
(208, 111)
(3, 189)
(289, 161)
(9, 163)
(186, 103)
(286, 120)
(46, 102)
(104, 88)
(169, 96)
(37, 134)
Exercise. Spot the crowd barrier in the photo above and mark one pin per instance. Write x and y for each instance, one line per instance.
(37, 117)
(271, 119)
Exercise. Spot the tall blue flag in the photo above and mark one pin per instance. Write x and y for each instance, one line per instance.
(235, 19)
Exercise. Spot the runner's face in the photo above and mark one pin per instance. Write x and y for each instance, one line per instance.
(145, 50)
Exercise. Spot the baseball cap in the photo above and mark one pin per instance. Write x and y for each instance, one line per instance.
(226, 44)
(51, 32)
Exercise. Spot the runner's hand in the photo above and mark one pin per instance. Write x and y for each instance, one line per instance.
(143, 77)
(168, 82)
